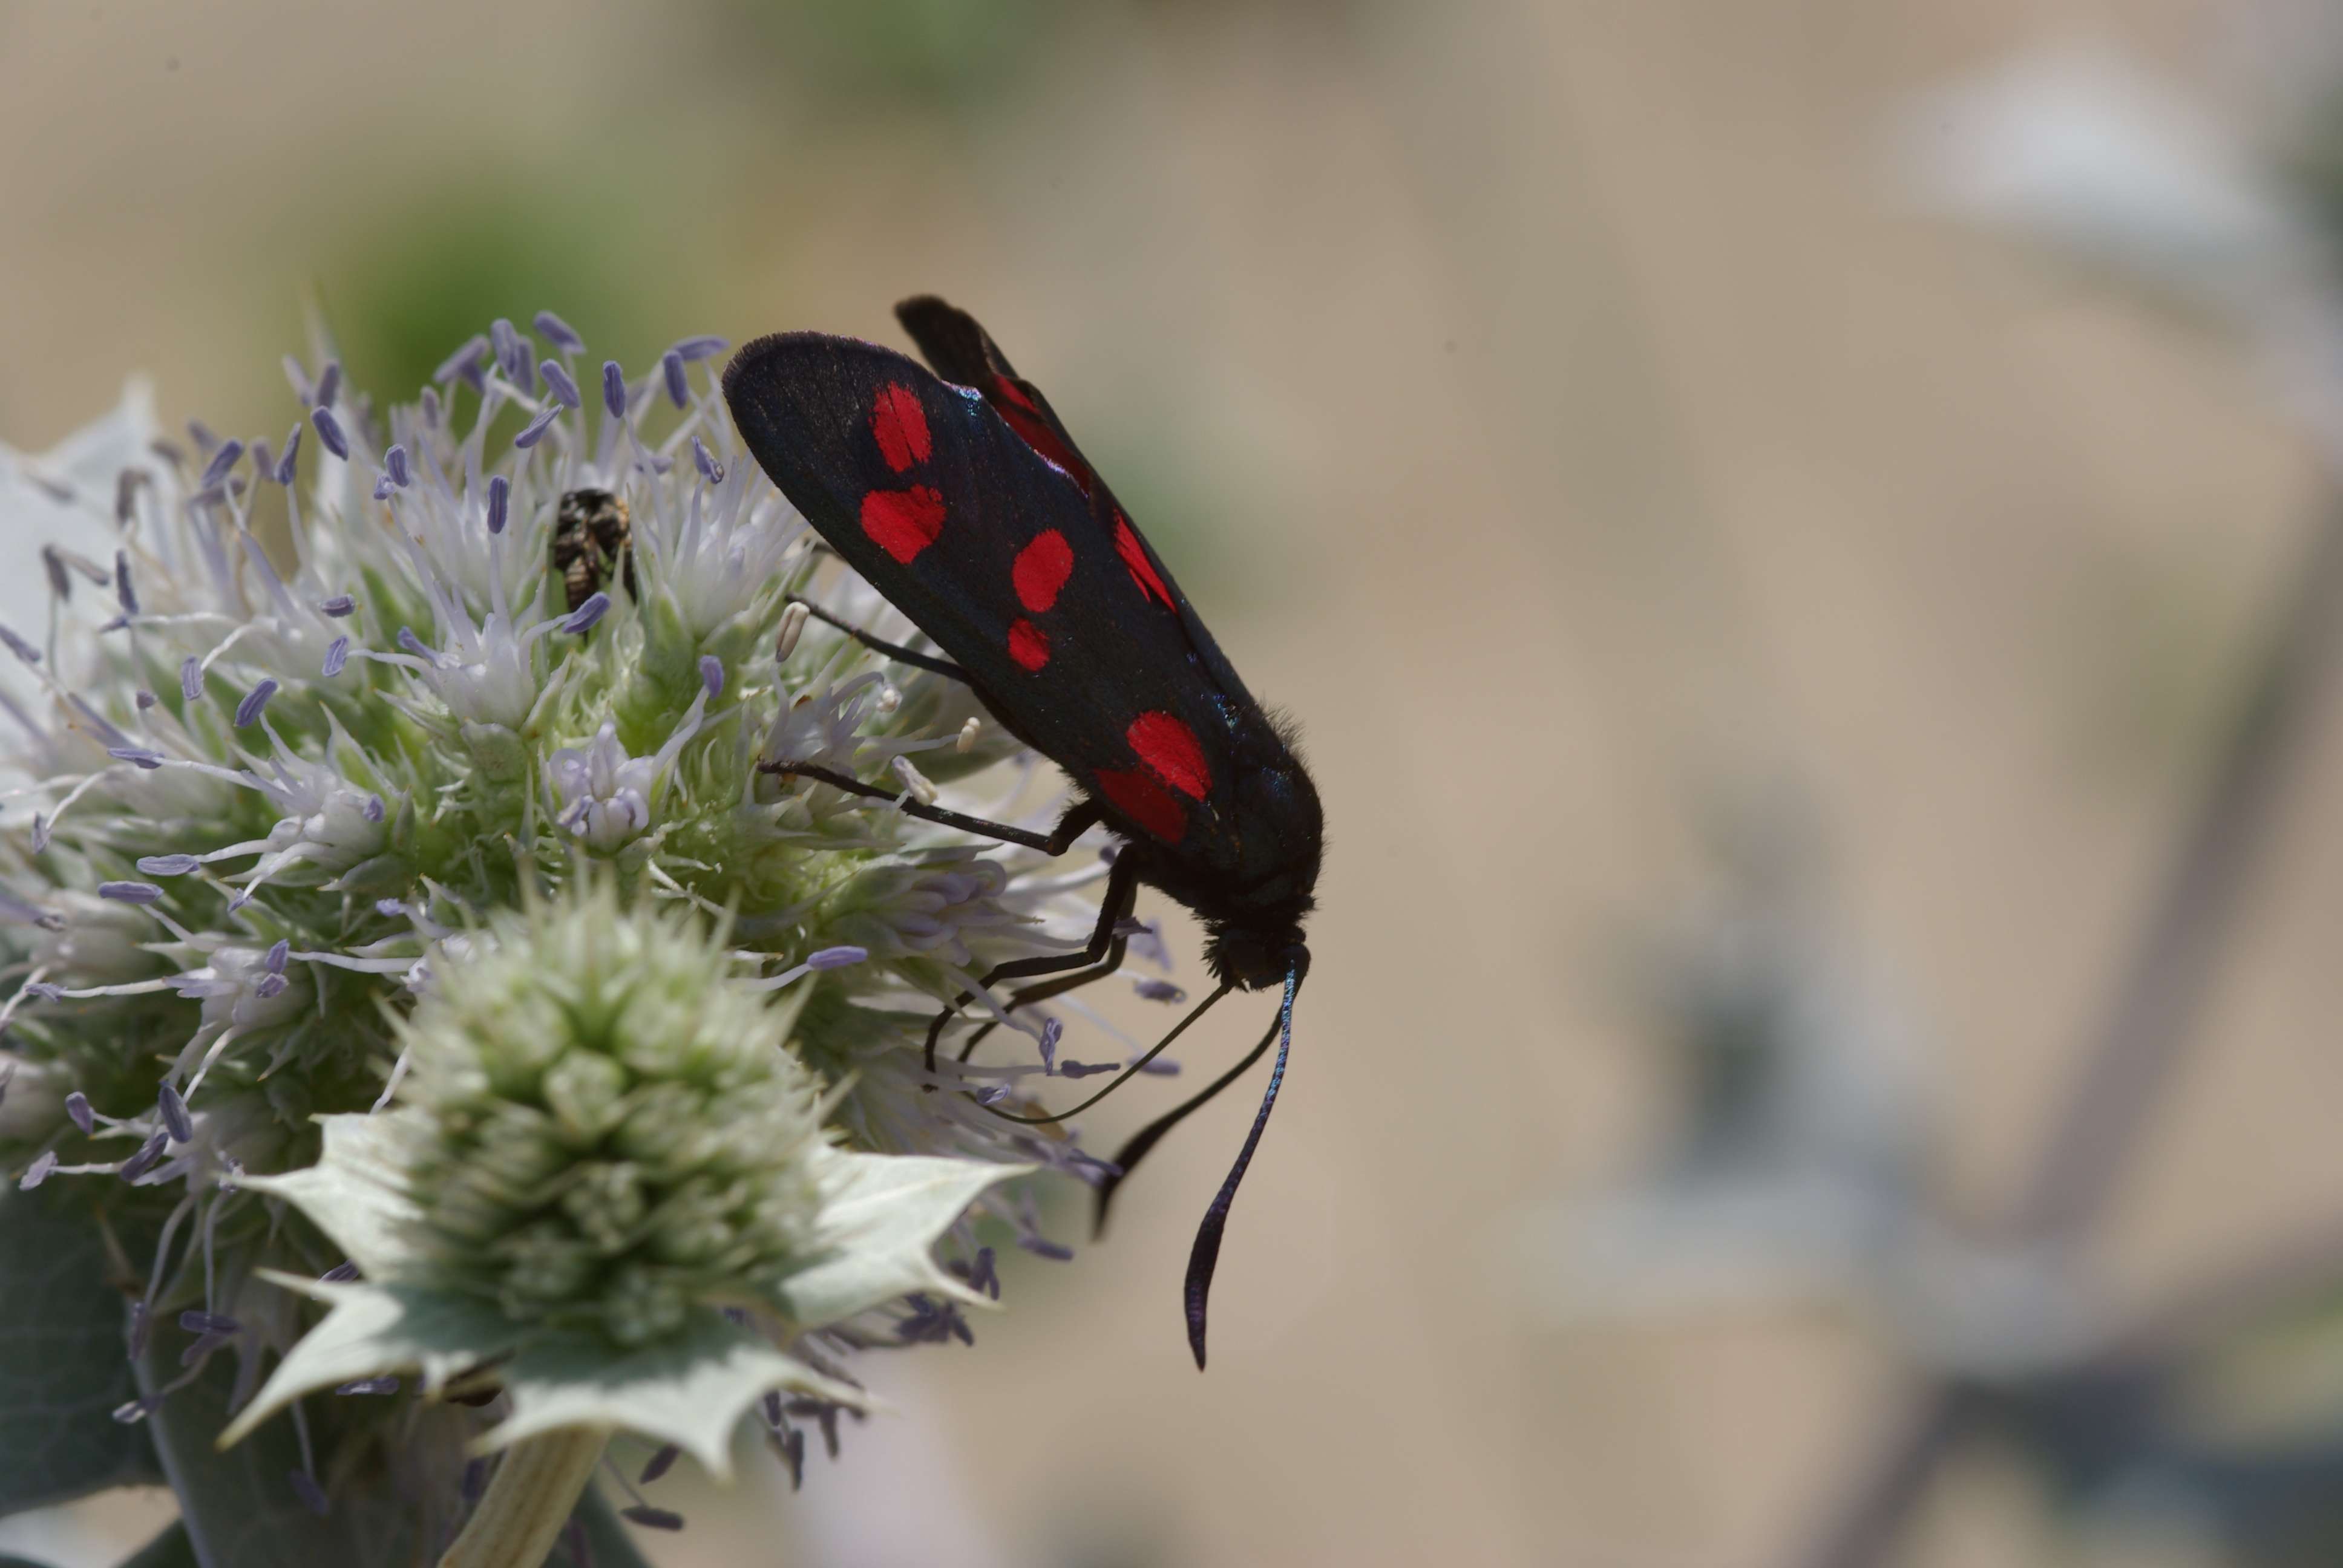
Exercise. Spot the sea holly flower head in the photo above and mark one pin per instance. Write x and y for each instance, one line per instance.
(375, 895)
(607, 1169)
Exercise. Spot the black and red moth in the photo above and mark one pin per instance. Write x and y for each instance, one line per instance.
(965, 502)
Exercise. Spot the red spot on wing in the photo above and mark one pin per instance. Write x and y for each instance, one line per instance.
(1029, 645)
(1019, 413)
(1172, 751)
(901, 427)
(1138, 796)
(903, 522)
(1134, 556)
(1041, 570)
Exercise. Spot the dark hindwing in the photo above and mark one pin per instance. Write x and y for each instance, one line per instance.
(1031, 580)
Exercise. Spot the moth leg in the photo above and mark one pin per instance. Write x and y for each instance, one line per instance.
(1149, 1136)
(1100, 968)
(894, 650)
(1079, 818)
(1121, 893)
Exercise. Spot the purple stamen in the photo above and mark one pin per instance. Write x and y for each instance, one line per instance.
(513, 357)
(697, 347)
(374, 809)
(329, 383)
(557, 332)
(191, 677)
(613, 389)
(305, 1487)
(394, 463)
(709, 468)
(582, 620)
(338, 654)
(837, 957)
(428, 405)
(559, 380)
(370, 1385)
(463, 361)
(1159, 991)
(145, 698)
(267, 987)
(130, 892)
(277, 953)
(1083, 1069)
(499, 502)
(38, 1170)
(126, 494)
(174, 1107)
(149, 1155)
(650, 1518)
(229, 454)
(198, 1322)
(168, 865)
(45, 990)
(340, 605)
(383, 488)
(389, 907)
(329, 431)
(60, 584)
(19, 647)
(412, 643)
(790, 1446)
(712, 674)
(980, 1273)
(341, 1273)
(41, 826)
(264, 462)
(678, 389)
(124, 594)
(254, 701)
(1052, 1030)
(138, 756)
(1042, 1247)
(77, 1109)
(660, 1463)
(534, 431)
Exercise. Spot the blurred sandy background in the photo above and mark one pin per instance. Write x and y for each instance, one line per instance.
(1556, 405)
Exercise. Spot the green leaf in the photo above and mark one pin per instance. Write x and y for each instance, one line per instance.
(881, 1216)
(689, 1390)
(374, 1331)
(64, 1368)
(239, 1508)
(171, 1549)
(356, 1192)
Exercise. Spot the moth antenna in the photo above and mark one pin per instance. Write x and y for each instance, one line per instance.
(1205, 1255)
(1126, 1075)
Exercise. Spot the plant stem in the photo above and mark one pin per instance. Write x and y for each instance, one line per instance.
(530, 1498)
(2150, 1015)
